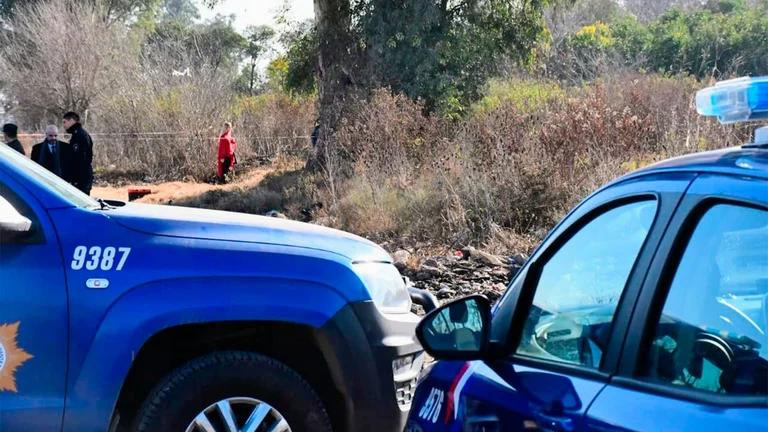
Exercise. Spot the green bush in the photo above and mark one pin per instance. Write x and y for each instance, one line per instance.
(727, 38)
(524, 95)
(725, 41)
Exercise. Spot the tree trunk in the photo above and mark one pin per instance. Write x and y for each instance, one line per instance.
(337, 66)
(253, 77)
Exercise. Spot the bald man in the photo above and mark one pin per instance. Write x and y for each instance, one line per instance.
(54, 155)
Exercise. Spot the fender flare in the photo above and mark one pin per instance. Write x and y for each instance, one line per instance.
(151, 308)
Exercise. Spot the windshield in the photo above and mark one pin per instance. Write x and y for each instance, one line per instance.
(47, 178)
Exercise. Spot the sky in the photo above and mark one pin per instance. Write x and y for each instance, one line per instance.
(259, 12)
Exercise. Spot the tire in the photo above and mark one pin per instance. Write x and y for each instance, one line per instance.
(231, 375)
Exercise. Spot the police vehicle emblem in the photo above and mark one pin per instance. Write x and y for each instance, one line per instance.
(11, 356)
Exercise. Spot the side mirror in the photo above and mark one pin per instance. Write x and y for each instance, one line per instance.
(458, 330)
(11, 220)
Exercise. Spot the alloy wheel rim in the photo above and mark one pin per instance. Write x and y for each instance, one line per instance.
(239, 414)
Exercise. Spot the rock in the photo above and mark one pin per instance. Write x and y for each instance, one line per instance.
(309, 213)
(328, 221)
(433, 271)
(276, 214)
(484, 257)
(500, 272)
(428, 272)
(401, 258)
(449, 277)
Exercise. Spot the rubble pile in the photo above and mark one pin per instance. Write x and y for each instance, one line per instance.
(469, 271)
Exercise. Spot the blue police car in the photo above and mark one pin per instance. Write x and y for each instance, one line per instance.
(128, 317)
(645, 309)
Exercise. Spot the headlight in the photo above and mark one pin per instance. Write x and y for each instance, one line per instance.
(386, 287)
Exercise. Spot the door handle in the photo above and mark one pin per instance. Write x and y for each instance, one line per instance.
(556, 423)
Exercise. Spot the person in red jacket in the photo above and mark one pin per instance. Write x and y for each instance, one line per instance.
(226, 157)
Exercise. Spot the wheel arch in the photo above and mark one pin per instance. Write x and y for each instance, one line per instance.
(294, 345)
(148, 314)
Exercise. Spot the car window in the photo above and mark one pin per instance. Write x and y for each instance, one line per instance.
(581, 284)
(711, 335)
(9, 203)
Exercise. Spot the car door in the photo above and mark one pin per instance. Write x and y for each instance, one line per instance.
(696, 355)
(586, 278)
(33, 319)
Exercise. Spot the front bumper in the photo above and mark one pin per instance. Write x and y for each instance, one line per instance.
(360, 344)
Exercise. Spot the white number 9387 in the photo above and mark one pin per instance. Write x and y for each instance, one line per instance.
(98, 258)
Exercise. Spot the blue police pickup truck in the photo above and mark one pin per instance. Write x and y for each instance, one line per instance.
(645, 309)
(127, 317)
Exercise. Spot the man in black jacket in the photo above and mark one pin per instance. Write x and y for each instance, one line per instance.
(82, 153)
(54, 155)
(10, 135)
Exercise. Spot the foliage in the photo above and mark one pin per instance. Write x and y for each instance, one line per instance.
(725, 38)
(47, 74)
(277, 70)
(258, 41)
(595, 36)
(443, 52)
(300, 58)
(564, 18)
(515, 167)
(182, 11)
(437, 52)
(214, 43)
(111, 10)
(274, 123)
(710, 43)
(523, 95)
(258, 38)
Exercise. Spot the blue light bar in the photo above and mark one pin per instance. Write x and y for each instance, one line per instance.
(736, 100)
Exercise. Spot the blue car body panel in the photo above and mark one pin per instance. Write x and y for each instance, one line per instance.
(227, 226)
(39, 308)
(162, 284)
(475, 396)
(487, 395)
(621, 409)
(83, 320)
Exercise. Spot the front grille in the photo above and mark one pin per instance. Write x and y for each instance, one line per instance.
(404, 392)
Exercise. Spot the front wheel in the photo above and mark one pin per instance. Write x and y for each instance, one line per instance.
(233, 391)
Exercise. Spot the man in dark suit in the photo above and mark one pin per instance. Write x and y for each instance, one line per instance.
(82, 153)
(54, 155)
(10, 134)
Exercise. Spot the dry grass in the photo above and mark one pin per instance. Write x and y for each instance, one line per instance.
(498, 179)
(503, 176)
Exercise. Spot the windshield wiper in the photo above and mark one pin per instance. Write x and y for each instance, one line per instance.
(104, 205)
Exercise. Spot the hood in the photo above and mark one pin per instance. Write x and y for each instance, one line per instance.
(220, 225)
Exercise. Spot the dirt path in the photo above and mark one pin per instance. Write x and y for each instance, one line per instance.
(165, 192)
